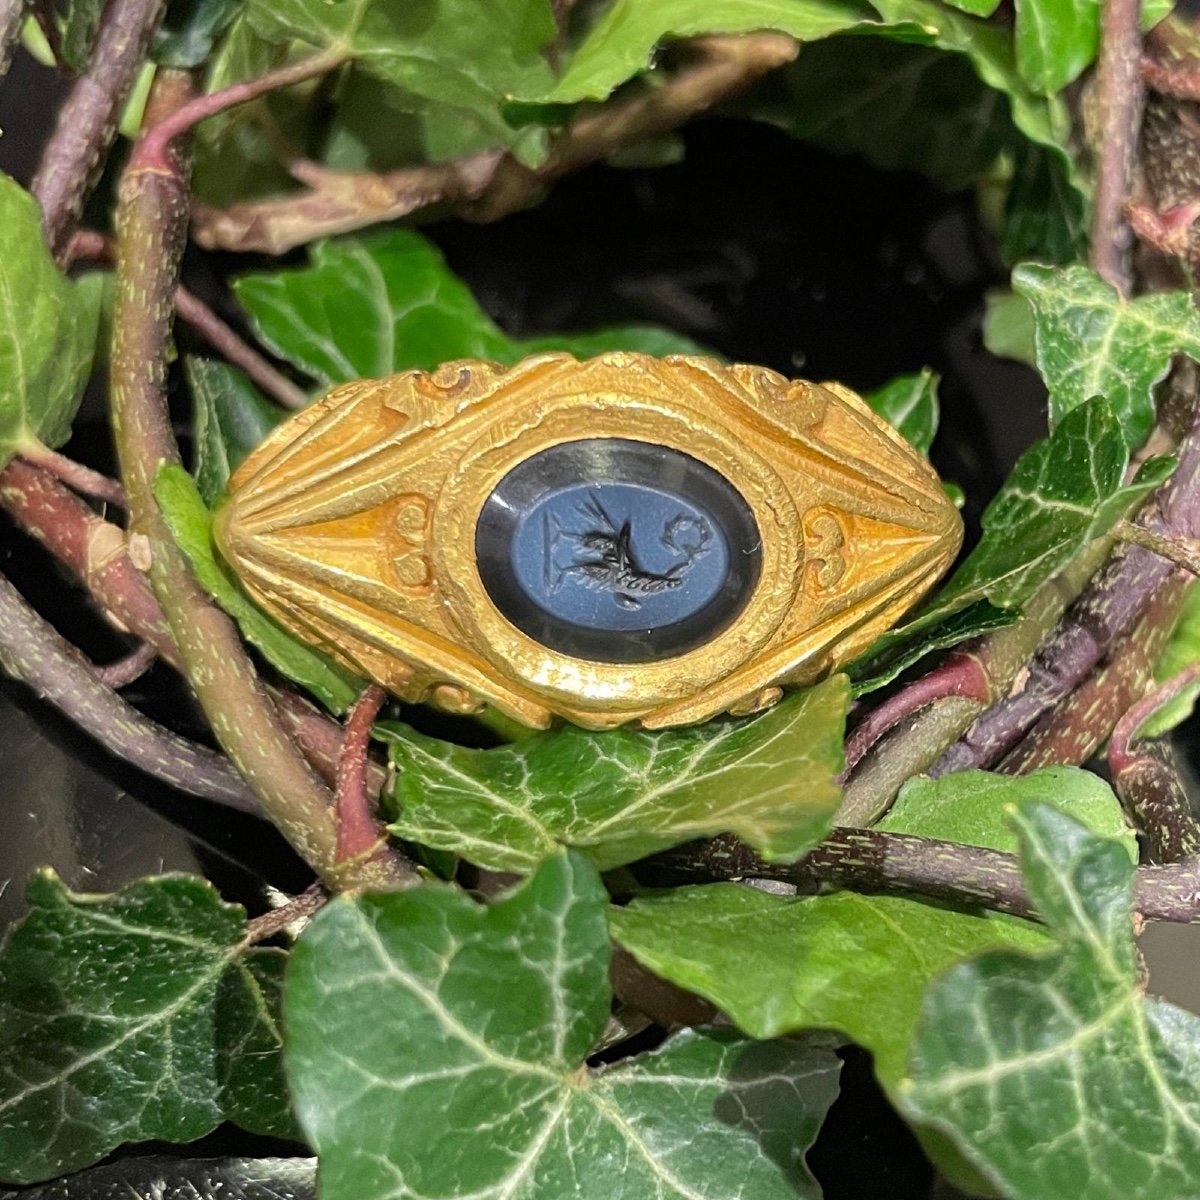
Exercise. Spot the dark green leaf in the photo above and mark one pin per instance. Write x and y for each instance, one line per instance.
(76, 22)
(975, 806)
(1053, 1073)
(108, 1028)
(895, 652)
(185, 1179)
(630, 792)
(254, 1093)
(47, 331)
(189, 30)
(622, 42)
(1045, 214)
(1063, 492)
(902, 107)
(436, 1048)
(1090, 342)
(231, 417)
(369, 307)
(910, 404)
(190, 524)
(463, 54)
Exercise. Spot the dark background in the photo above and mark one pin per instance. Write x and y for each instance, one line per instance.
(767, 251)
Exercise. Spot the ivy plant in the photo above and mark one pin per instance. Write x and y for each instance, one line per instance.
(898, 907)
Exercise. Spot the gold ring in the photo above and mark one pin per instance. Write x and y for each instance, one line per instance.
(623, 539)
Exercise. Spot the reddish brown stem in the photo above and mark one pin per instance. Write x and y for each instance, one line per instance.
(76, 475)
(959, 675)
(360, 833)
(1175, 80)
(1119, 103)
(153, 151)
(1125, 731)
(127, 670)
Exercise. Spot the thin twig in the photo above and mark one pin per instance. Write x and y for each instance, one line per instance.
(128, 669)
(1126, 729)
(1178, 81)
(89, 244)
(361, 836)
(76, 475)
(87, 121)
(1183, 552)
(298, 908)
(1119, 95)
(971, 877)
(959, 675)
(339, 203)
(224, 338)
(33, 652)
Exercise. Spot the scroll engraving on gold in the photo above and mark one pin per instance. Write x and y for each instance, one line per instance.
(622, 539)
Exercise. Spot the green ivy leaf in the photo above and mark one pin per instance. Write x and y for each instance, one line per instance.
(436, 1047)
(369, 307)
(1045, 212)
(190, 524)
(1008, 329)
(621, 43)
(1064, 491)
(896, 651)
(1090, 342)
(627, 793)
(902, 107)
(973, 806)
(909, 403)
(231, 417)
(458, 54)
(1057, 39)
(856, 964)
(249, 1030)
(190, 29)
(109, 1026)
(47, 331)
(76, 22)
(1053, 1073)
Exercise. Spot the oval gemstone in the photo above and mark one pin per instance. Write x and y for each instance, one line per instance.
(619, 551)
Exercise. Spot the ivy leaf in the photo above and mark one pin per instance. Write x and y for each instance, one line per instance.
(108, 1020)
(231, 417)
(249, 1030)
(858, 964)
(459, 54)
(436, 1048)
(47, 332)
(185, 1179)
(190, 524)
(622, 42)
(1045, 212)
(627, 793)
(75, 22)
(1054, 1074)
(369, 307)
(896, 651)
(1064, 491)
(973, 806)
(902, 107)
(190, 29)
(1008, 330)
(1090, 342)
(1057, 40)
(909, 403)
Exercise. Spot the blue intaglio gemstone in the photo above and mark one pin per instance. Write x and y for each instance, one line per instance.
(618, 551)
